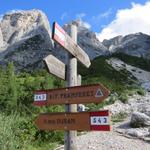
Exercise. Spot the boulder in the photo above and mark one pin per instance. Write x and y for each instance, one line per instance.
(140, 133)
(145, 108)
(118, 107)
(139, 119)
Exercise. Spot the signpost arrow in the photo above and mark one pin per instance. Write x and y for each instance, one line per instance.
(62, 38)
(73, 95)
(55, 66)
(98, 121)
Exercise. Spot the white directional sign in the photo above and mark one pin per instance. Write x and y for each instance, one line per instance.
(62, 38)
(99, 120)
(40, 97)
(55, 66)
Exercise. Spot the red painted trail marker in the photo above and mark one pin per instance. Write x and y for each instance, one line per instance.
(73, 95)
(62, 38)
(97, 121)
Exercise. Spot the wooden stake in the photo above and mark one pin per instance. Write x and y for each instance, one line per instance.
(70, 136)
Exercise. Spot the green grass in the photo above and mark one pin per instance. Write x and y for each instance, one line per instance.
(8, 133)
(119, 117)
(116, 81)
(101, 72)
(18, 132)
(44, 146)
(141, 91)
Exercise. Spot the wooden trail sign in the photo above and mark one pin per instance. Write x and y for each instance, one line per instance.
(62, 38)
(73, 95)
(98, 121)
(55, 66)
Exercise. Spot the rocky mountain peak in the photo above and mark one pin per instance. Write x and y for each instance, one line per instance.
(16, 26)
(133, 44)
(114, 41)
(26, 38)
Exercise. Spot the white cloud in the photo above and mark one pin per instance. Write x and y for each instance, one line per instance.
(127, 21)
(101, 16)
(80, 15)
(63, 16)
(85, 24)
(106, 14)
(1, 17)
(17, 11)
(79, 18)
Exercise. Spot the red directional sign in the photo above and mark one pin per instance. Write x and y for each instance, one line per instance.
(73, 95)
(98, 121)
(62, 38)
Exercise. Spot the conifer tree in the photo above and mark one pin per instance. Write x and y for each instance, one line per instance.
(3, 88)
(12, 87)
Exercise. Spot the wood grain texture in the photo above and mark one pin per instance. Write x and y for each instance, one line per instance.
(71, 46)
(73, 95)
(71, 121)
(55, 66)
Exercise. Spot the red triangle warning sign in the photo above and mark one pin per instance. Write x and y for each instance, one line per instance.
(99, 93)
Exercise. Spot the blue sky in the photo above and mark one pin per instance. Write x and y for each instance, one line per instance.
(98, 14)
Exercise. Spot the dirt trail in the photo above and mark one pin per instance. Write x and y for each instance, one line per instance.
(117, 139)
(109, 141)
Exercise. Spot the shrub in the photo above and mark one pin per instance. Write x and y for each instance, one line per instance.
(124, 97)
(141, 91)
(119, 117)
(8, 130)
(112, 99)
(18, 132)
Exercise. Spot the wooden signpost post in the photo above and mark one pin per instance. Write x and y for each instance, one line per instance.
(70, 121)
